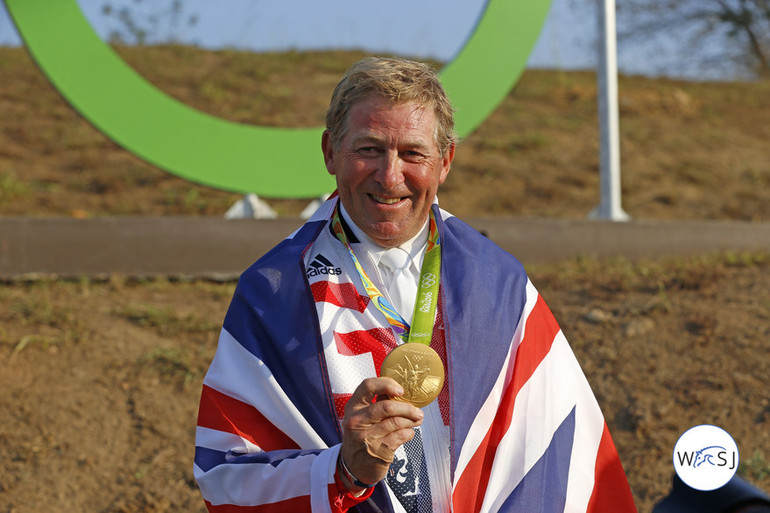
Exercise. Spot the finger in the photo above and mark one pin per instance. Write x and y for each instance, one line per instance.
(382, 417)
(390, 409)
(384, 448)
(396, 439)
(382, 429)
(370, 388)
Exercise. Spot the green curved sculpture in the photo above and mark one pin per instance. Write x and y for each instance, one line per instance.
(271, 162)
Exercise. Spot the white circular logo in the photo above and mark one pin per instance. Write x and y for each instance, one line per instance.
(706, 457)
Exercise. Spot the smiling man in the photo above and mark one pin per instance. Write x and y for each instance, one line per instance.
(388, 357)
(388, 167)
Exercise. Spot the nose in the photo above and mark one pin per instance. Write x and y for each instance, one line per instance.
(390, 172)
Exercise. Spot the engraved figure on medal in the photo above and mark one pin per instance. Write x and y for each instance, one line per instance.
(418, 369)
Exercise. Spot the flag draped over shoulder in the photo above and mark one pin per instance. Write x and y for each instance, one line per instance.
(526, 432)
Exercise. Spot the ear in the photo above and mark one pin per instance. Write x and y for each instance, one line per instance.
(446, 162)
(328, 151)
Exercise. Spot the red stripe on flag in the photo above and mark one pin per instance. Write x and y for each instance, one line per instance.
(378, 341)
(340, 400)
(344, 295)
(541, 329)
(339, 503)
(224, 413)
(611, 491)
(301, 503)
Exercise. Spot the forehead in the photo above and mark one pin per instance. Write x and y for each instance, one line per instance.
(377, 117)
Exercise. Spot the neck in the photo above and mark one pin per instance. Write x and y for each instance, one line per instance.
(419, 239)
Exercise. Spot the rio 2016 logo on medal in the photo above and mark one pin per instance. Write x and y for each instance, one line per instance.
(234, 156)
(706, 457)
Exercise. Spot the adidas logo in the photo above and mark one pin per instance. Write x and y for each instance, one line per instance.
(322, 265)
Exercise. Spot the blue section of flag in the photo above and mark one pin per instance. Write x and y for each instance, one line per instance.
(544, 488)
(273, 316)
(476, 273)
(207, 459)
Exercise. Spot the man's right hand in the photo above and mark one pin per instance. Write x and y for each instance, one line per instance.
(372, 431)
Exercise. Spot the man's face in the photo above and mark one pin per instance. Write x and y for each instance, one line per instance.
(388, 168)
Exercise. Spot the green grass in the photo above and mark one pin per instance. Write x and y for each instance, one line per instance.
(756, 467)
(658, 276)
(165, 321)
(11, 188)
(40, 317)
(689, 150)
(174, 364)
(45, 341)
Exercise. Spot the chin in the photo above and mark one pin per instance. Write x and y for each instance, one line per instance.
(387, 238)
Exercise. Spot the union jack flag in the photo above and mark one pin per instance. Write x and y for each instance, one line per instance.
(526, 432)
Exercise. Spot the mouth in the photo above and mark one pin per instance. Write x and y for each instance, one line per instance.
(386, 201)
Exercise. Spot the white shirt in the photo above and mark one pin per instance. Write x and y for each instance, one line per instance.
(369, 253)
(435, 434)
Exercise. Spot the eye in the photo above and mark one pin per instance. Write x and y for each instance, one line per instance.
(368, 150)
(412, 155)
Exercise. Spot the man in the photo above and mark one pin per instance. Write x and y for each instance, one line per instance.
(386, 356)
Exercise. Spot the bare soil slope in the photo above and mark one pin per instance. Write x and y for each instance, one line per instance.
(689, 150)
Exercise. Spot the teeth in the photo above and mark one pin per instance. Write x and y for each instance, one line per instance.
(387, 201)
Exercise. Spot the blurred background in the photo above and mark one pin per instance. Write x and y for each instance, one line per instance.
(693, 104)
(708, 40)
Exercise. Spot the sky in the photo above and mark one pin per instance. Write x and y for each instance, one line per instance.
(425, 28)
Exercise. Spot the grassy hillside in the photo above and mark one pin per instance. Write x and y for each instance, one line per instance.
(689, 150)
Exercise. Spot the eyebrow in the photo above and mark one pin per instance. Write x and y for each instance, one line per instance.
(373, 138)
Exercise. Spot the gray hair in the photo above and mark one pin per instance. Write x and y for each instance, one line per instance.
(397, 81)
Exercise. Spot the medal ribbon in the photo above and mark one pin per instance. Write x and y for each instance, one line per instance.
(427, 289)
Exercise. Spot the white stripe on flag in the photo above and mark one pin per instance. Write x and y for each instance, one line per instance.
(253, 484)
(589, 427)
(223, 441)
(232, 365)
(346, 320)
(542, 404)
(483, 421)
(321, 476)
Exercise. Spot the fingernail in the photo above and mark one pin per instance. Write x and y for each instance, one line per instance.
(399, 391)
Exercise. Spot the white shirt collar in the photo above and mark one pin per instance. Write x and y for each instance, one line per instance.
(415, 246)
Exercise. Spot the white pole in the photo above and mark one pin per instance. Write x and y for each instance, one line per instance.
(609, 138)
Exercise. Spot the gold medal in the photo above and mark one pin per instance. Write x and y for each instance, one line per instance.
(418, 369)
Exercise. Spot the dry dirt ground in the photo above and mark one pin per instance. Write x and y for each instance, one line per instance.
(101, 379)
